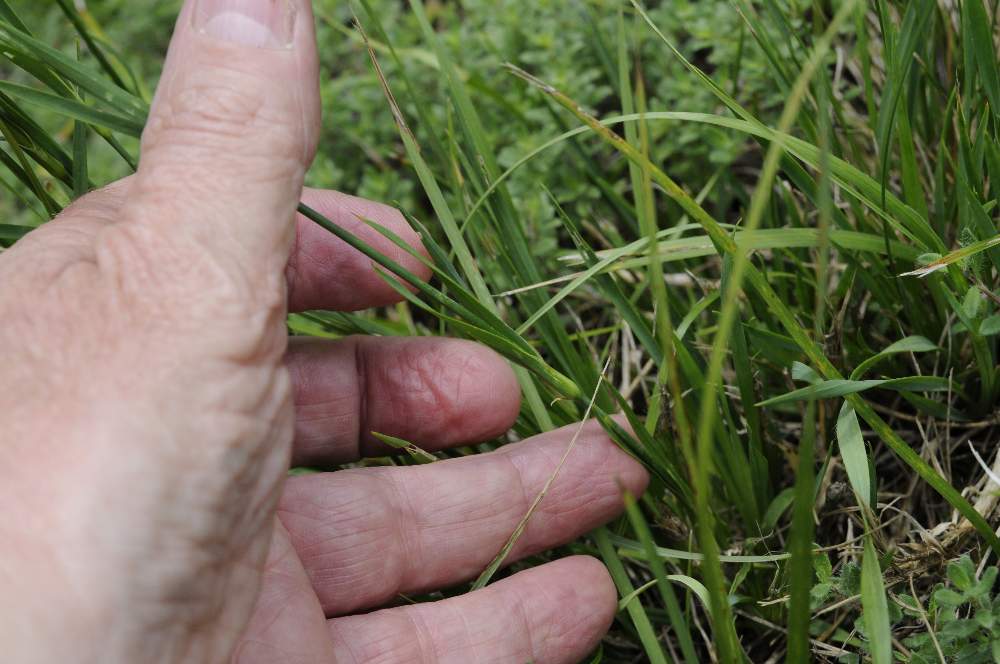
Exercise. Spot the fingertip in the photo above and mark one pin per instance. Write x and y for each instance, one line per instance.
(597, 457)
(498, 399)
(633, 477)
(457, 392)
(324, 272)
(580, 602)
(601, 596)
(596, 589)
(556, 613)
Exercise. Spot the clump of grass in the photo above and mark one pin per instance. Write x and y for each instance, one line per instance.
(803, 347)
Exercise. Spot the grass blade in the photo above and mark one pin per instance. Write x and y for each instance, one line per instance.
(853, 453)
(636, 611)
(876, 608)
(800, 567)
(73, 109)
(662, 579)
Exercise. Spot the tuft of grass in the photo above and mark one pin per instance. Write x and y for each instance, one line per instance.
(763, 231)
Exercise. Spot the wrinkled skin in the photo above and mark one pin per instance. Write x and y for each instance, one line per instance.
(152, 406)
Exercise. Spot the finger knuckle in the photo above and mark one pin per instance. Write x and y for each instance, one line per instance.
(223, 109)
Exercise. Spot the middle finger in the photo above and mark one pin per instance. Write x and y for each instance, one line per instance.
(366, 535)
(434, 392)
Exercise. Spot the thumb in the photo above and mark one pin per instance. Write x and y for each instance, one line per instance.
(231, 132)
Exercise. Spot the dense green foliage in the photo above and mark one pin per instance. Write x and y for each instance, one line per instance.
(725, 264)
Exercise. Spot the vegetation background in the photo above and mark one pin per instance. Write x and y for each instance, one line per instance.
(727, 264)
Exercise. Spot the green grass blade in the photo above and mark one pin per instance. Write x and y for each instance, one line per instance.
(100, 89)
(779, 308)
(419, 455)
(95, 49)
(954, 257)
(800, 567)
(730, 308)
(911, 344)
(441, 207)
(633, 549)
(830, 389)
(636, 611)
(918, 14)
(81, 180)
(981, 40)
(499, 336)
(73, 109)
(677, 620)
(453, 233)
(9, 234)
(876, 608)
(21, 167)
(46, 151)
(7, 14)
(853, 453)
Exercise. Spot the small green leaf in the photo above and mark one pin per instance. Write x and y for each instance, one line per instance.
(959, 629)
(778, 507)
(917, 641)
(818, 594)
(911, 344)
(909, 604)
(972, 303)
(804, 373)
(962, 574)
(822, 567)
(948, 598)
(985, 583)
(990, 326)
(850, 580)
(853, 453)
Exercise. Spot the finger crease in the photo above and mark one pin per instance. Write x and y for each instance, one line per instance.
(522, 614)
(526, 502)
(408, 540)
(426, 646)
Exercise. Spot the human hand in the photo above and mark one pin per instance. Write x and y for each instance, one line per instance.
(153, 405)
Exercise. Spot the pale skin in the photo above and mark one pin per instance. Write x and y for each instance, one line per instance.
(153, 404)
